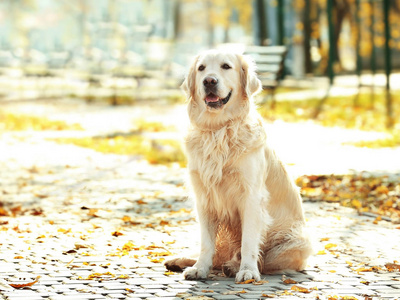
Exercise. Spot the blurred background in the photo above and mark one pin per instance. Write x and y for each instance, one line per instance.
(122, 51)
(88, 85)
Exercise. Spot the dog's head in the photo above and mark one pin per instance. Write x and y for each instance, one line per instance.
(219, 86)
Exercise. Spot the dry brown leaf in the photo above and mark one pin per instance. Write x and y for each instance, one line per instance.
(392, 267)
(117, 233)
(246, 282)
(289, 281)
(300, 289)
(23, 285)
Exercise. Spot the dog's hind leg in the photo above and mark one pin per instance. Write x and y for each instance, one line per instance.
(293, 259)
(178, 264)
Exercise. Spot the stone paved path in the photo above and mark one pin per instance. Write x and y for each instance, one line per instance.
(97, 226)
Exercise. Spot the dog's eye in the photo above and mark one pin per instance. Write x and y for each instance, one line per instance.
(226, 67)
(201, 67)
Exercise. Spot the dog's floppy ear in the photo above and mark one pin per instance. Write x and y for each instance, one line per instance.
(189, 84)
(251, 85)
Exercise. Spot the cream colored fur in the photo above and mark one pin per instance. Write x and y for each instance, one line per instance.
(249, 209)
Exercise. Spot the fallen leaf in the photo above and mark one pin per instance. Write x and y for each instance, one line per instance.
(329, 246)
(377, 219)
(268, 295)
(235, 292)
(168, 273)
(392, 267)
(117, 233)
(164, 223)
(370, 269)
(261, 282)
(289, 281)
(22, 285)
(300, 289)
(247, 281)
(157, 260)
(183, 295)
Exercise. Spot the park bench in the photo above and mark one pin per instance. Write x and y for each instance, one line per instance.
(269, 61)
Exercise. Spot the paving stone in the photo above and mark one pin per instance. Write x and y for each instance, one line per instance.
(226, 297)
(114, 184)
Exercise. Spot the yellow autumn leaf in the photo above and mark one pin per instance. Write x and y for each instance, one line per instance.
(377, 219)
(169, 273)
(246, 282)
(129, 246)
(157, 260)
(382, 189)
(300, 289)
(329, 246)
(356, 203)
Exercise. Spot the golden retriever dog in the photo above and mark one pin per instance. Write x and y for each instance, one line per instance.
(249, 209)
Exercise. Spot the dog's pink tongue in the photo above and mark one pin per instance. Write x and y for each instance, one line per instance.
(212, 98)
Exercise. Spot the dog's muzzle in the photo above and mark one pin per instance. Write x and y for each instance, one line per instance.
(214, 101)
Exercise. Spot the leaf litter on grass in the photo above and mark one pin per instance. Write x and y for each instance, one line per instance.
(377, 195)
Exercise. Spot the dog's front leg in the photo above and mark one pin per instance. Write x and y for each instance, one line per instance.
(208, 233)
(253, 223)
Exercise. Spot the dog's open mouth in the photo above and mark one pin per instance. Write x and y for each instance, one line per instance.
(214, 101)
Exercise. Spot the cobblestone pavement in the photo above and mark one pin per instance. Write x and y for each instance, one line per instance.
(96, 226)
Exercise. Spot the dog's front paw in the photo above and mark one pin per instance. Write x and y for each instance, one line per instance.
(244, 275)
(195, 273)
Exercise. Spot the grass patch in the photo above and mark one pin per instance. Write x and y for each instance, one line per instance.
(393, 140)
(19, 122)
(337, 111)
(142, 125)
(154, 151)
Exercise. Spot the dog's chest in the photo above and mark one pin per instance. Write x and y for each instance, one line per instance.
(214, 154)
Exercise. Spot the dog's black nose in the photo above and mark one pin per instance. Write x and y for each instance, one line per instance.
(210, 81)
